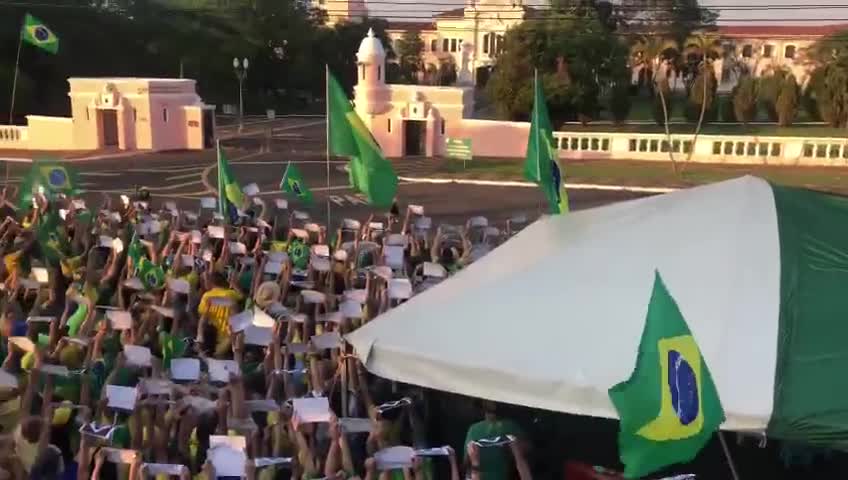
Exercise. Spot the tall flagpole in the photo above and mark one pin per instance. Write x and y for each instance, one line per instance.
(535, 121)
(15, 81)
(327, 120)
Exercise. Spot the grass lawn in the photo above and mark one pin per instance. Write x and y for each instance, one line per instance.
(654, 174)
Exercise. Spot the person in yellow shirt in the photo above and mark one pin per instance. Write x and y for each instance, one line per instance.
(216, 306)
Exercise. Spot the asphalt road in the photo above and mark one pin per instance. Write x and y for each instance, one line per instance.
(185, 177)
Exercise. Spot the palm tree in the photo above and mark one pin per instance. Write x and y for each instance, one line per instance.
(702, 45)
(649, 52)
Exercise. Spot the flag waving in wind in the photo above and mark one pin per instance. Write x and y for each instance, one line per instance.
(370, 172)
(36, 33)
(292, 182)
(541, 166)
(669, 407)
(230, 197)
(49, 177)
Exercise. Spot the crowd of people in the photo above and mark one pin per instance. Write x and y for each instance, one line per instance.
(144, 341)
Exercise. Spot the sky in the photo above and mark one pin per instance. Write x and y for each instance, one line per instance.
(731, 12)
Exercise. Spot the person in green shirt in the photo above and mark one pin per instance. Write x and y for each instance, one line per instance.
(494, 462)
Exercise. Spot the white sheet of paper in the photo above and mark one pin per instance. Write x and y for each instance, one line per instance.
(273, 268)
(268, 461)
(400, 288)
(351, 309)
(383, 272)
(206, 255)
(23, 343)
(416, 209)
(327, 341)
(155, 386)
(280, 257)
(433, 270)
(356, 425)
(58, 370)
(187, 260)
(137, 355)
(228, 462)
(164, 469)
(117, 245)
(179, 285)
(240, 321)
(300, 215)
(357, 295)
(393, 255)
(63, 214)
(433, 452)
(281, 203)
(190, 216)
(220, 370)
(120, 455)
(115, 217)
(164, 311)
(250, 189)
(262, 319)
(217, 217)
(375, 225)
(215, 231)
(208, 202)
(394, 458)
(351, 224)
(312, 410)
(40, 319)
(105, 241)
(196, 236)
(187, 369)
(423, 223)
(40, 274)
(262, 336)
(170, 205)
(121, 398)
(120, 319)
(238, 248)
(236, 442)
(320, 264)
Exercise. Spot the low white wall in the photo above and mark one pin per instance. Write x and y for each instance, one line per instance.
(13, 137)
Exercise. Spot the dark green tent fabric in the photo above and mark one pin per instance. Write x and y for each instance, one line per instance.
(811, 383)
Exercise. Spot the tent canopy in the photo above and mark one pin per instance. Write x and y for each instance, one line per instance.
(552, 318)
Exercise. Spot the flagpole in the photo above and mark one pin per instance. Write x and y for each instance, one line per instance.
(535, 121)
(15, 78)
(733, 471)
(327, 120)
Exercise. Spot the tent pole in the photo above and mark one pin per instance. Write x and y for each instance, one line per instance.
(727, 455)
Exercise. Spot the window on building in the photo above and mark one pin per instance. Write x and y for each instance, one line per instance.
(563, 142)
(452, 44)
(643, 145)
(379, 72)
(763, 149)
(728, 148)
(443, 126)
(434, 45)
(632, 145)
(596, 144)
(740, 148)
(445, 45)
(808, 149)
(747, 51)
(499, 44)
(486, 43)
(135, 115)
(675, 145)
(664, 146)
(751, 150)
(768, 50)
(362, 71)
(789, 52)
(584, 144)
(389, 125)
(716, 148)
(687, 146)
(775, 149)
(575, 144)
(87, 114)
(605, 144)
(834, 151)
(165, 115)
(655, 145)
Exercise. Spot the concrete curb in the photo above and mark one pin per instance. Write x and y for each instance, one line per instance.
(572, 186)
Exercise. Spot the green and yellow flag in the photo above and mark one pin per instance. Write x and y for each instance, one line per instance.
(49, 176)
(230, 197)
(370, 173)
(135, 251)
(293, 183)
(669, 407)
(541, 165)
(35, 32)
(49, 236)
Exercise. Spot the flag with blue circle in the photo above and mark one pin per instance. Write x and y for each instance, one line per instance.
(48, 177)
(36, 33)
(669, 407)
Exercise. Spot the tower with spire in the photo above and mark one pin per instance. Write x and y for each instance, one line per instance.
(371, 93)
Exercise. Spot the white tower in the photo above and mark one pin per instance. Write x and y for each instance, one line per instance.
(371, 93)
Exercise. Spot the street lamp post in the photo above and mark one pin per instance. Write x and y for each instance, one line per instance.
(241, 74)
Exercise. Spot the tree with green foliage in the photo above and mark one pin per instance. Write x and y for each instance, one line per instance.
(651, 52)
(446, 73)
(409, 49)
(829, 85)
(787, 101)
(671, 19)
(619, 102)
(769, 89)
(703, 46)
(745, 99)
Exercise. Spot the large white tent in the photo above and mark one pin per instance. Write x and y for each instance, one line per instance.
(552, 319)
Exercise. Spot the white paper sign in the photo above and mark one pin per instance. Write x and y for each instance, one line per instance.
(238, 248)
(356, 425)
(121, 398)
(400, 289)
(281, 203)
(187, 260)
(220, 370)
(300, 215)
(327, 341)
(268, 461)
(227, 461)
(240, 321)
(215, 231)
(105, 241)
(196, 236)
(236, 442)
(200, 404)
(40, 319)
(120, 319)
(416, 209)
(312, 410)
(170, 205)
(433, 452)
(393, 458)
(185, 369)
(40, 275)
(155, 469)
(393, 255)
(261, 336)
(279, 257)
(312, 296)
(250, 189)
(359, 295)
(208, 202)
(433, 270)
(117, 245)
(137, 355)
(262, 319)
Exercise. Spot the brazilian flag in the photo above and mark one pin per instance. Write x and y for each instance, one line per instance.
(135, 252)
(669, 407)
(230, 197)
(36, 33)
(293, 182)
(152, 276)
(49, 236)
(50, 176)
